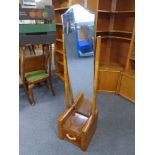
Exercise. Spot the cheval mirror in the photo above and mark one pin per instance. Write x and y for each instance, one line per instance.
(79, 121)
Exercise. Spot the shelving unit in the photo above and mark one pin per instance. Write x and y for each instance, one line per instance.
(61, 7)
(113, 57)
(127, 85)
(114, 17)
(115, 23)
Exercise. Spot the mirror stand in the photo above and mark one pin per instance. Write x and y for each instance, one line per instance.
(79, 121)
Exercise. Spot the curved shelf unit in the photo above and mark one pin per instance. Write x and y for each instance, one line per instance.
(111, 47)
(60, 9)
(117, 12)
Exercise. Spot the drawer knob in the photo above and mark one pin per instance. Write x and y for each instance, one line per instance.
(70, 137)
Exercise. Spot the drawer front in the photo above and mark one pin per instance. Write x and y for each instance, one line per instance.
(108, 80)
(127, 87)
(72, 137)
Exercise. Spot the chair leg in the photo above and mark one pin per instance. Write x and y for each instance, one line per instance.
(47, 85)
(51, 86)
(38, 85)
(26, 92)
(30, 93)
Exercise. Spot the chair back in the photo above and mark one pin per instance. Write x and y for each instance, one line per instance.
(34, 63)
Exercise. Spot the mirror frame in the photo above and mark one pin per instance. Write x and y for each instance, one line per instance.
(68, 86)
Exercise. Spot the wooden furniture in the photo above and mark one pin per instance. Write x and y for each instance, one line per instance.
(113, 17)
(115, 23)
(60, 7)
(114, 73)
(35, 69)
(32, 49)
(77, 124)
(112, 62)
(127, 85)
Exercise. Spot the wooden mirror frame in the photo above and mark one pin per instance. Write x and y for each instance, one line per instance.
(66, 128)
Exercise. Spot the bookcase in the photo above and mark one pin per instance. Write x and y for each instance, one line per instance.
(113, 17)
(115, 23)
(61, 7)
(127, 84)
(113, 58)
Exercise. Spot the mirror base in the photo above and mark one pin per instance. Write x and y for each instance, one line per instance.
(77, 125)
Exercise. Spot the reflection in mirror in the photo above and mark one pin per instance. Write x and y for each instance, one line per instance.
(79, 120)
(78, 25)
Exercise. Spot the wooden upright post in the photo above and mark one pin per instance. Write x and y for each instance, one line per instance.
(66, 81)
(130, 48)
(97, 56)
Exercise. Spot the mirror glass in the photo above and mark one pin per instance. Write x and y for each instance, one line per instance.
(78, 26)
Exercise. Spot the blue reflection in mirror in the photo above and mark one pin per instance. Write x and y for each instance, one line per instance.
(78, 27)
(80, 22)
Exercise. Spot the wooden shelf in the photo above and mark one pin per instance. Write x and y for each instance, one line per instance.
(60, 9)
(119, 31)
(112, 67)
(115, 37)
(104, 11)
(59, 45)
(60, 62)
(114, 31)
(59, 51)
(59, 24)
(117, 12)
(60, 40)
(124, 12)
(125, 34)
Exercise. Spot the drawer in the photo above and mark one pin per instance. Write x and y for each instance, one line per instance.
(72, 137)
(127, 87)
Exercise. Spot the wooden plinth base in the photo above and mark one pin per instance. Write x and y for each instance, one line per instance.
(77, 125)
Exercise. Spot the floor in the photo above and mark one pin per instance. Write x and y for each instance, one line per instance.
(115, 134)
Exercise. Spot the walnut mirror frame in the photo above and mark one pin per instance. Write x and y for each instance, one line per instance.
(79, 121)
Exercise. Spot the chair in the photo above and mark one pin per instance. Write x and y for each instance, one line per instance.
(32, 49)
(36, 69)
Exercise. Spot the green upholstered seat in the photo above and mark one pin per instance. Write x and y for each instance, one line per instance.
(36, 75)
